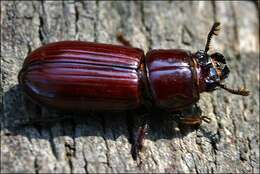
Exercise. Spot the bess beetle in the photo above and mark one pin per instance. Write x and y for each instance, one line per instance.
(78, 76)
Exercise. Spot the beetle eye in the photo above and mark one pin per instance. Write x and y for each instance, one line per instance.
(225, 71)
(202, 57)
(218, 57)
(219, 65)
(213, 74)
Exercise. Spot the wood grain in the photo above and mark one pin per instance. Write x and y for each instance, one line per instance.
(101, 142)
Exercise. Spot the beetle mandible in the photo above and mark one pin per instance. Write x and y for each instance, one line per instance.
(77, 76)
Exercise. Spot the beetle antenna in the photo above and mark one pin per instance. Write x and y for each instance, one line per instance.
(242, 91)
(214, 31)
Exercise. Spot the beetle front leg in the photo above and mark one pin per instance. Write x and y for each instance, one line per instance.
(192, 116)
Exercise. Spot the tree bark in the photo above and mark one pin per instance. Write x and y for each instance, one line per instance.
(101, 142)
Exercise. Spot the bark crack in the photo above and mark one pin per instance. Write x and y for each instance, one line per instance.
(236, 49)
(234, 130)
(70, 164)
(11, 13)
(41, 29)
(65, 17)
(195, 164)
(103, 122)
(147, 32)
(186, 35)
(70, 147)
(250, 155)
(29, 48)
(212, 141)
(96, 22)
(107, 154)
(153, 158)
(213, 3)
(185, 162)
(76, 19)
(36, 165)
(85, 160)
(52, 144)
(130, 130)
(236, 34)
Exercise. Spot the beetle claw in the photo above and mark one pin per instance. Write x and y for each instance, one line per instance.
(206, 119)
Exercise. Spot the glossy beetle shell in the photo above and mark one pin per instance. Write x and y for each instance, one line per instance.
(73, 75)
(172, 78)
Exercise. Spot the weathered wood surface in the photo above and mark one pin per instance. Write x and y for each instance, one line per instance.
(100, 142)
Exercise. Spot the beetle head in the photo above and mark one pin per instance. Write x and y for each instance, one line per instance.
(213, 69)
(219, 64)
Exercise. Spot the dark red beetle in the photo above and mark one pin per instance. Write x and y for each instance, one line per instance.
(77, 76)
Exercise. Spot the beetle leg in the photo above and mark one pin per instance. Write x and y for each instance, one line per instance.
(121, 38)
(139, 142)
(192, 116)
(192, 120)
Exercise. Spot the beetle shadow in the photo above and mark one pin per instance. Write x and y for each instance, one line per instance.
(22, 117)
(21, 114)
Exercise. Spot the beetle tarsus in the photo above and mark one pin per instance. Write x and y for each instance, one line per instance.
(242, 91)
(206, 119)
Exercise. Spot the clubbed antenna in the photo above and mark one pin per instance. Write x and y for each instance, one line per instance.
(214, 31)
(242, 91)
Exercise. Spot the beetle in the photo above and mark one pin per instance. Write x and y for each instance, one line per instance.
(79, 76)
